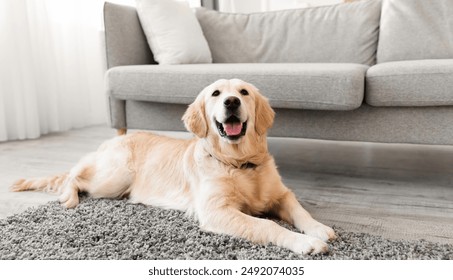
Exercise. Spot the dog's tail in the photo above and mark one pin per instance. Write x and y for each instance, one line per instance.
(52, 184)
(68, 184)
(63, 184)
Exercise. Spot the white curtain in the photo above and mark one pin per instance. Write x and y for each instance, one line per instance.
(51, 66)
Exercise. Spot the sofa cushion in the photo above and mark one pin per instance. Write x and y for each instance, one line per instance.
(173, 32)
(415, 29)
(410, 83)
(299, 86)
(344, 33)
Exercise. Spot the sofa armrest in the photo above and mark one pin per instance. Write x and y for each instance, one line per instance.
(125, 41)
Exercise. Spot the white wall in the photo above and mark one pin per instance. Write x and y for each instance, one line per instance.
(192, 3)
(250, 6)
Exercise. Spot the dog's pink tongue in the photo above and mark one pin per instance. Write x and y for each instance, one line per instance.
(232, 129)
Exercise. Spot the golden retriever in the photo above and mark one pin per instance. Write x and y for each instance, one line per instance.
(224, 177)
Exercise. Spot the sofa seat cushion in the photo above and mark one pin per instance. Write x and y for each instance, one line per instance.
(321, 86)
(410, 83)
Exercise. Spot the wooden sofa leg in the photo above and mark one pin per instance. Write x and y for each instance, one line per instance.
(121, 131)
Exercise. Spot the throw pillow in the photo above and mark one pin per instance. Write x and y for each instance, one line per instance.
(173, 32)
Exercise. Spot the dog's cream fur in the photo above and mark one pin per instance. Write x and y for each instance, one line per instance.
(204, 176)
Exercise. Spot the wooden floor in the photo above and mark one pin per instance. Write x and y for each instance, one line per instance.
(395, 191)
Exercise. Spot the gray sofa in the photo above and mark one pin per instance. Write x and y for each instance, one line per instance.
(377, 71)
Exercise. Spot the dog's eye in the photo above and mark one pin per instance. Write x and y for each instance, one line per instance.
(216, 93)
(244, 92)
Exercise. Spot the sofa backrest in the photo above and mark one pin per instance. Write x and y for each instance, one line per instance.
(415, 29)
(345, 33)
(125, 41)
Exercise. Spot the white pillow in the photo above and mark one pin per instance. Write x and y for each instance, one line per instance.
(173, 32)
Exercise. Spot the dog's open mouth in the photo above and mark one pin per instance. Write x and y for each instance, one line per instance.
(232, 128)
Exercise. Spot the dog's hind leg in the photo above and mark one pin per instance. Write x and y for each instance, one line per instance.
(107, 173)
(79, 179)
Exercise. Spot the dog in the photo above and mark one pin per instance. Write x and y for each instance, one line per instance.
(224, 176)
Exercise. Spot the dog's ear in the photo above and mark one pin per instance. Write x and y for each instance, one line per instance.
(194, 118)
(264, 115)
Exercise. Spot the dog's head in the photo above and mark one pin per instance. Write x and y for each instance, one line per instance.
(230, 110)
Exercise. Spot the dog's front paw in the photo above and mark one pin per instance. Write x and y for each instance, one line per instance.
(318, 230)
(305, 244)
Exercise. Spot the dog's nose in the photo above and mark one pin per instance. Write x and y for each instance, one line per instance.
(232, 103)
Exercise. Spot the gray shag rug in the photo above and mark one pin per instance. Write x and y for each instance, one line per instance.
(116, 229)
